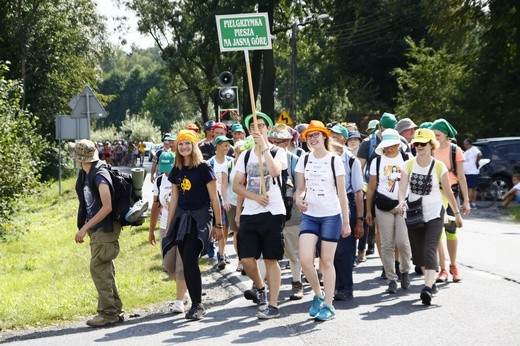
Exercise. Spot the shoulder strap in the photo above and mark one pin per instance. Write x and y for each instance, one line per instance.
(158, 183)
(372, 145)
(409, 166)
(246, 158)
(305, 159)
(428, 176)
(351, 162)
(378, 165)
(453, 158)
(438, 168)
(334, 171)
(273, 151)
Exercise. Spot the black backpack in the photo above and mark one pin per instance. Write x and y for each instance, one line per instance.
(281, 180)
(123, 194)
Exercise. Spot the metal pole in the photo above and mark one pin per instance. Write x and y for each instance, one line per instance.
(59, 164)
(88, 112)
(293, 71)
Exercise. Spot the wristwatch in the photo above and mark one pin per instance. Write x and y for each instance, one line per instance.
(361, 218)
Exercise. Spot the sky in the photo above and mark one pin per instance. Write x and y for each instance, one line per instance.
(110, 10)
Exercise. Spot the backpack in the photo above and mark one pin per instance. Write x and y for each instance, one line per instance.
(122, 191)
(229, 160)
(283, 181)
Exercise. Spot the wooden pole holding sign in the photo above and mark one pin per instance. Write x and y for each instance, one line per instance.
(247, 31)
(255, 123)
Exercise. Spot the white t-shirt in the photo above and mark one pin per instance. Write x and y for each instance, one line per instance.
(390, 170)
(253, 183)
(470, 160)
(321, 195)
(220, 169)
(432, 201)
(165, 194)
(517, 187)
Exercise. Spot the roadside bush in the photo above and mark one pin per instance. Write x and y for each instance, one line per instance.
(21, 148)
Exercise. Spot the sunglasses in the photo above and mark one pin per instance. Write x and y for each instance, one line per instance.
(277, 142)
(418, 144)
(315, 135)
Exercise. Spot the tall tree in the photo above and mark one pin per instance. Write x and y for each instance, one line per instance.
(53, 47)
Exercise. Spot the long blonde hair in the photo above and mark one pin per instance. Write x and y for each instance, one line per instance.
(191, 161)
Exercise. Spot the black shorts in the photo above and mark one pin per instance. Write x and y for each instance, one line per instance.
(261, 234)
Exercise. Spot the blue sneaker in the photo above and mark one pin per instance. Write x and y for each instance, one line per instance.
(317, 304)
(326, 313)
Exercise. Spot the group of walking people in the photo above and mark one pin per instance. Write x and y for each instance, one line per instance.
(311, 176)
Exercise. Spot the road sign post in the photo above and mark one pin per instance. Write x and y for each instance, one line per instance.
(246, 31)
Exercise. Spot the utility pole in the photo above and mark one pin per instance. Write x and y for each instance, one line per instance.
(293, 71)
(294, 53)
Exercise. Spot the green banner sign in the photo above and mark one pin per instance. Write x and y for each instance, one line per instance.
(248, 31)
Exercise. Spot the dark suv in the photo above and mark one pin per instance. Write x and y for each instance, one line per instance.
(503, 156)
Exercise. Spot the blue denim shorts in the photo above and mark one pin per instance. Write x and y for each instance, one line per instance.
(326, 228)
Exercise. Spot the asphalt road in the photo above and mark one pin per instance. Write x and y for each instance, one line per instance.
(483, 309)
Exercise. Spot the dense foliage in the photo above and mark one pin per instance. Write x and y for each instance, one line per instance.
(456, 59)
(21, 148)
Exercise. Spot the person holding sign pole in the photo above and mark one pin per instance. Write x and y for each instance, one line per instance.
(263, 216)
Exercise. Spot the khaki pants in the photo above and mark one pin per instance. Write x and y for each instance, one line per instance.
(291, 237)
(393, 233)
(104, 248)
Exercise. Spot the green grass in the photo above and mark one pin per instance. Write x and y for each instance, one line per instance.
(514, 211)
(44, 274)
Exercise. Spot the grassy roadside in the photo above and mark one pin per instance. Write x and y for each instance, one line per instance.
(44, 274)
(514, 211)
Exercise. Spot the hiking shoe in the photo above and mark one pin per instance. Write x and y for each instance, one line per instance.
(269, 313)
(317, 304)
(454, 271)
(101, 321)
(261, 299)
(251, 294)
(426, 295)
(137, 210)
(343, 296)
(326, 313)
(405, 281)
(221, 262)
(196, 312)
(296, 291)
(176, 307)
(392, 287)
(240, 267)
(443, 276)
(361, 257)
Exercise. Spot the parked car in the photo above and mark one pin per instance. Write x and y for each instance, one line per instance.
(500, 160)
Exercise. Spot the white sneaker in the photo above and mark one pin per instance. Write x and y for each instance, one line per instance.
(177, 307)
(138, 209)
